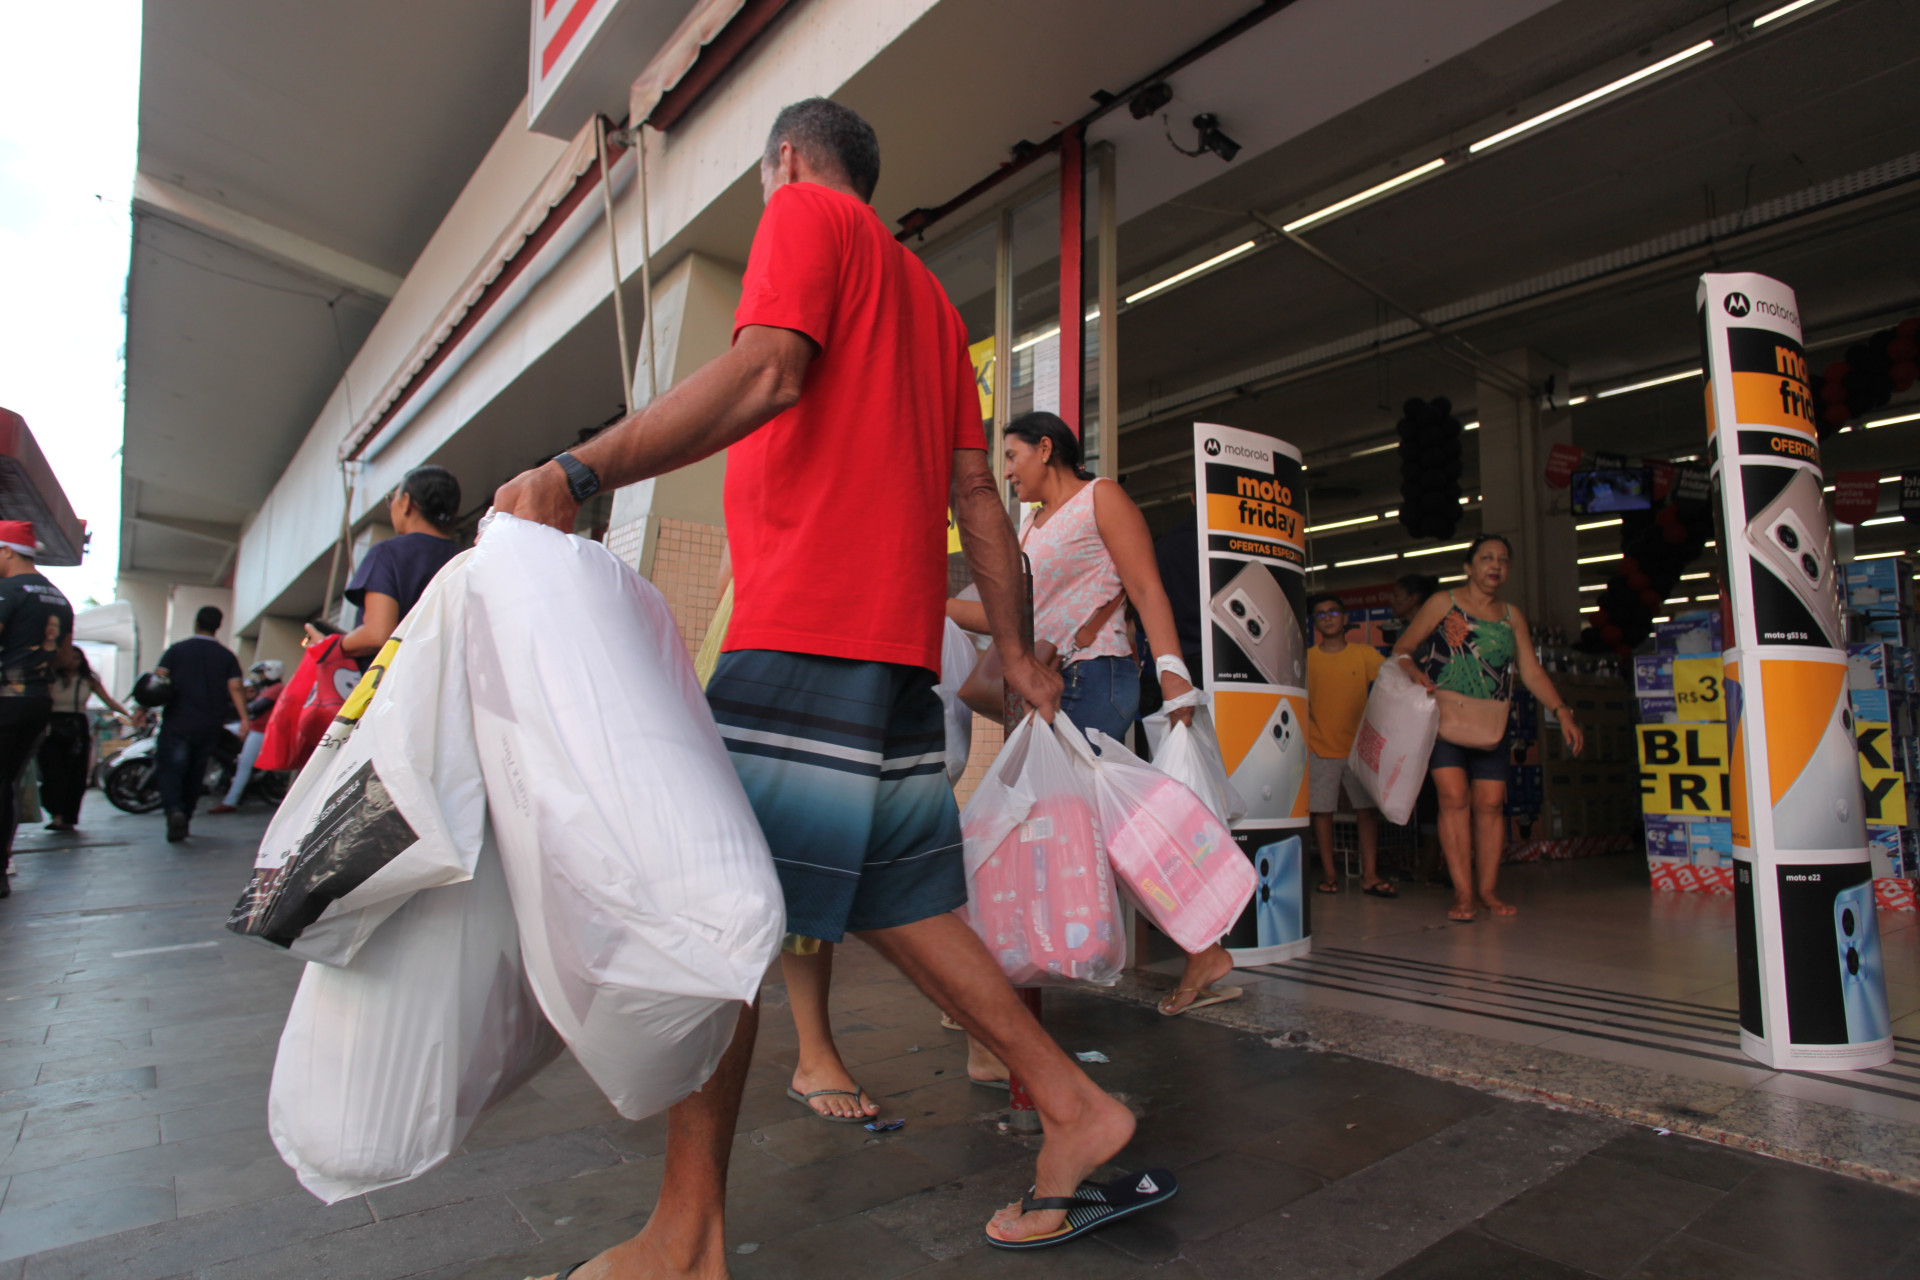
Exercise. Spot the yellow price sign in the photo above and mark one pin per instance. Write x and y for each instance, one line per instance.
(1884, 785)
(1698, 689)
(1683, 770)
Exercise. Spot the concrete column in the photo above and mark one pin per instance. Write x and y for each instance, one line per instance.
(184, 600)
(1515, 436)
(672, 529)
(279, 638)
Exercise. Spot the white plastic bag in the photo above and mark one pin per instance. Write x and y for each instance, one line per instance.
(1170, 852)
(957, 656)
(648, 905)
(391, 801)
(1039, 891)
(385, 1064)
(1190, 754)
(1394, 740)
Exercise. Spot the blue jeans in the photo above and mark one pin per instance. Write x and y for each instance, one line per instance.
(180, 766)
(1103, 694)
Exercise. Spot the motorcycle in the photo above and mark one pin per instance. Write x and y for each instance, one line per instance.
(129, 779)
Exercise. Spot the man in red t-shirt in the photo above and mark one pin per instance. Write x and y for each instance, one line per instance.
(847, 399)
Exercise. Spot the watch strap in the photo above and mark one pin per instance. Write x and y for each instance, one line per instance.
(582, 480)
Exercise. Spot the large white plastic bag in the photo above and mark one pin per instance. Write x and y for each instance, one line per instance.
(648, 905)
(391, 801)
(1039, 891)
(1394, 741)
(957, 656)
(1190, 754)
(1171, 853)
(386, 1063)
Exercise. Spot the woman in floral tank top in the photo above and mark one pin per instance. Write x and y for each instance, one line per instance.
(1089, 544)
(1475, 642)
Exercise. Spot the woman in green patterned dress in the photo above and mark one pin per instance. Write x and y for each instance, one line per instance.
(1475, 644)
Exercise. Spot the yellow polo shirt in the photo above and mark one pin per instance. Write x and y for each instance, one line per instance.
(1337, 686)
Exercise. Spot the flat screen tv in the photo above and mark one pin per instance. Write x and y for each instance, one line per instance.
(1613, 489)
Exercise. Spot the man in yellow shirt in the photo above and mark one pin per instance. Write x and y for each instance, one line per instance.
(1338, 677)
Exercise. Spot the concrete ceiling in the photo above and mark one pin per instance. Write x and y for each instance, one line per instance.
(294, 159)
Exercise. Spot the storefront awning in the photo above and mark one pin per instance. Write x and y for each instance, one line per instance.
(28, 491)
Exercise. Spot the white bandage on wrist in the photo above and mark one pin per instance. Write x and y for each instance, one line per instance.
(1170, 664)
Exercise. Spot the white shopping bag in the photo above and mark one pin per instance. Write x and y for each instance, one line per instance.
(1394, 740)
(648, 905)
(1190, 754)
(1039, 890)
(957, 656)
(1171, 853)
(386, 1063)
(391, 801)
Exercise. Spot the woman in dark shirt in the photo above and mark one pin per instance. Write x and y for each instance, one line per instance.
(395, 572)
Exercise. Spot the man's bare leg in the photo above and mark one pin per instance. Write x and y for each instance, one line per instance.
(1323, 842)
(1369, 823)
(687, 1236)
(809, 983)
(1085, 1128)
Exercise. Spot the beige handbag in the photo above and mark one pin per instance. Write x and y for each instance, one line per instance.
(1474, 723)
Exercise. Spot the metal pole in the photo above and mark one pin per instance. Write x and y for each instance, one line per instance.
(646, 261)
(1023, 1116)
(1109, 324)
(1002, 352)
(348, 472)
(613, 255)
(1073, 279)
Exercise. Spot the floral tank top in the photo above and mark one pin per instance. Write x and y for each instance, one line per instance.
(1073, 577)
(1470, 655)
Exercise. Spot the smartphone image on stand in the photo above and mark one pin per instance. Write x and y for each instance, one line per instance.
(1823, 808)
(1253, 609)
(1269, 778)
(1863, 990)
(1793, 539)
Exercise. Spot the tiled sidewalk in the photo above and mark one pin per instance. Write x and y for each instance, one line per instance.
(139, 1039)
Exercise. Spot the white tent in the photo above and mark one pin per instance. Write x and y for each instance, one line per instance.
(110, 638)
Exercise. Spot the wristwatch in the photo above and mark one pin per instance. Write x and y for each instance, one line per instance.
(582, 480)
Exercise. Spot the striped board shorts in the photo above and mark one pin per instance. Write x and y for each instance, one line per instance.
(844, 763)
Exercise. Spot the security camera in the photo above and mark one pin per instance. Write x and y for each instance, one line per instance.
(1211, 139)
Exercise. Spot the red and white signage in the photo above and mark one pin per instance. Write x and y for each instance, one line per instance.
(1856, 495)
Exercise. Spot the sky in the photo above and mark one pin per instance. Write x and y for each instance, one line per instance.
(69, 102)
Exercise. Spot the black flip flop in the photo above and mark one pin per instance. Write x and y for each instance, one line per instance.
(1380, 889)
(1094, 1205)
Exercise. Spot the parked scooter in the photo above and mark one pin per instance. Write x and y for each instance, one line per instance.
(129, 778)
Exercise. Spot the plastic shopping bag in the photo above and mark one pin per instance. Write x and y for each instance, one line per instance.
(957, 656)
(1190, 754)
(1039, 890)
(648, 905)
(385, 1064)
(392, 800)
(1170, 852)
(1395, 738)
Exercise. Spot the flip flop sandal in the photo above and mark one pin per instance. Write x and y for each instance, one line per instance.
(1094, 1205)
(950, 1024)
(1206, 996)
(1380, 889)
(806, 1100)
(1327, 886)
(1001, 1085)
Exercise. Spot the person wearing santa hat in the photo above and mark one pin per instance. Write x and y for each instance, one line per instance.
(35, 620)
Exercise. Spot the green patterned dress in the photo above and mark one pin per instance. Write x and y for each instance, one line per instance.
(1470, 655)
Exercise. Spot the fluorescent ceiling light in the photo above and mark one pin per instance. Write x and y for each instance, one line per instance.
(1592, 608)
(1597, 524)
(1714, 596)
(1192, 271)
(1686, 457)
(1342, 564)
(1379, 448)
(1341, 206)
(1388, 515)
(1711, 543)
(1887, 422)
(1594, 586)
(1882, 520)
(1340, 524)
(1827, 489)
(1578, 400)
(1593, 96)
(1599, 559)
(1434, 551)
(1650, 382)
(1315, 568)
(1880, 555)
(1458, 577)
(1037, 339)
(1689, 577)
(1781, 12)
(1470, 426)
(1675, 600)
(1663, 619)
(1889, 479)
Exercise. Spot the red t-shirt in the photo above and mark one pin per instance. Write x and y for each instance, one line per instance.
(836, 509)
